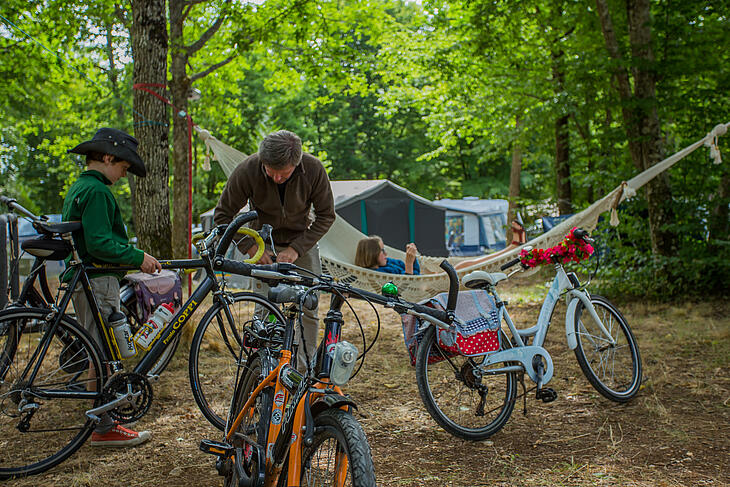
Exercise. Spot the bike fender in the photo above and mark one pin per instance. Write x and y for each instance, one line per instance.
(329, 401)
(570, 324)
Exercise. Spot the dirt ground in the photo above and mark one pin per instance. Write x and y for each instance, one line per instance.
(676, 432)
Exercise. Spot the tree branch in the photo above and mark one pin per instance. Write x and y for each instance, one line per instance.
(609, 34)
(188, 6)
(205, 37)
(121, 14)
(210, 69)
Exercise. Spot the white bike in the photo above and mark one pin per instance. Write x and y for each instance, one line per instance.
(472, 397)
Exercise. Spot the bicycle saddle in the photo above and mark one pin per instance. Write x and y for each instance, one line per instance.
(50, 228)
(480, 279)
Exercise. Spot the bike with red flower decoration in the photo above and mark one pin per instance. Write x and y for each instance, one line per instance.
(469, 382)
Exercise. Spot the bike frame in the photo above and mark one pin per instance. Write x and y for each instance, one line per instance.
(286, 430)
(109, 349)
(525, 353)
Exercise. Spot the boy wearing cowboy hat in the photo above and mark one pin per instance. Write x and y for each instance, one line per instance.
(103, 240)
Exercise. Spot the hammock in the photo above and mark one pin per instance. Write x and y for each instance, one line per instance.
(337, 247)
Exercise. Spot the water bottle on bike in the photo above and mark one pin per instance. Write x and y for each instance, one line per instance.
(149, 332)
(122, 334)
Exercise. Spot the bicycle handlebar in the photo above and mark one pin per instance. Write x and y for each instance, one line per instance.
(280, 272)
(231, 231)
(509, 264)
(12, 203)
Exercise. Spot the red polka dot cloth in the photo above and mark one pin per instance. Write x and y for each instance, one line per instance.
(477, 334)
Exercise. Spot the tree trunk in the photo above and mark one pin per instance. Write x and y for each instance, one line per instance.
(719, 224)
(514, 178)
(562, 167)
(179, 87)
(151, 196)
(563, 189)
(641, 121)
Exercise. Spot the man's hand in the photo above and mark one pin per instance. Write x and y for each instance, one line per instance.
(150, 265)
(287, 255)
(265, 257)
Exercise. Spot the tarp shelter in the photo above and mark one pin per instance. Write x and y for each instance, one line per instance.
(381, 207)
(474, 225)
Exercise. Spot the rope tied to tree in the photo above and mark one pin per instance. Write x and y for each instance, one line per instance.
(628, 188)
(711, 141)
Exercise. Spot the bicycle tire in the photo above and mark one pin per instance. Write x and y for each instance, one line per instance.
(215, 352)
(601, 361)
(336, 432)
(64, 367)
(454, 402)
(258, 422)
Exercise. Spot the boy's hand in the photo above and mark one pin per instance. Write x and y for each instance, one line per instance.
(150, 265)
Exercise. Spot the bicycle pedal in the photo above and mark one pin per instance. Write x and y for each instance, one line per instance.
(546, 394)
(218, 448)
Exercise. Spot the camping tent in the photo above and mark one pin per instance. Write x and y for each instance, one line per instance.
(381, 207)
(474, 225)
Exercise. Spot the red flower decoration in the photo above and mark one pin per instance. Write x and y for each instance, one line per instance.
(571, 249)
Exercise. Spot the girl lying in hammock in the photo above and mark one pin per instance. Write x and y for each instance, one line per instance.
(372, 255)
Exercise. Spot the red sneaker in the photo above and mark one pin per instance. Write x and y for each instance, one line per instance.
(119, 436)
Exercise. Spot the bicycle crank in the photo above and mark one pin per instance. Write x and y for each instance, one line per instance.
(126, 397)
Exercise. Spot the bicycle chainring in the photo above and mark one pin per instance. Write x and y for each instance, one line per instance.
(122, 384)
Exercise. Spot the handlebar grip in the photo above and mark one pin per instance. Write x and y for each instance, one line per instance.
(232, 266)
(232, 229)
(583, 235)
(453, 284)
(510, 264)
(436, 313)
(5, 200)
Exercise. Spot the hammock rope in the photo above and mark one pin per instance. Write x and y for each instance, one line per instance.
(337, 247)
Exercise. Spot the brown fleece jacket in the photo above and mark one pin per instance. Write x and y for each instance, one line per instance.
(293, 225)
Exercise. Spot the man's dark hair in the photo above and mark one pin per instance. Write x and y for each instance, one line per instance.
(99, 157)
(280, 149)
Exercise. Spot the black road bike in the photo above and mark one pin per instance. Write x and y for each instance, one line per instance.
(56, 381)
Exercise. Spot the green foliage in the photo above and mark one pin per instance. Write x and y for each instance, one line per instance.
(426, 94)
(629, 269)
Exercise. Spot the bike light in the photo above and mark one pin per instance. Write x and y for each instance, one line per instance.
(344, 356)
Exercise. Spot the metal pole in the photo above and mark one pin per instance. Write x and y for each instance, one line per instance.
(15, 265)
(4, 261)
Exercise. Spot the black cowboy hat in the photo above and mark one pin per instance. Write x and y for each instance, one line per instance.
(116, 143)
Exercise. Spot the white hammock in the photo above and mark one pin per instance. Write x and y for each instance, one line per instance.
(337, 247)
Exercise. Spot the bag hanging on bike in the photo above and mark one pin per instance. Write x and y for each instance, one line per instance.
(479, 335)
(154, 289)
(478, 332)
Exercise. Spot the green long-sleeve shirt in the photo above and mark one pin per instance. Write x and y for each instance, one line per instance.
(102, 239)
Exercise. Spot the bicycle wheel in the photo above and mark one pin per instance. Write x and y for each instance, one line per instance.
(254, 425)
(217, 347)
(340, 454)
(614, 370)
(462, 399)
(38, 432)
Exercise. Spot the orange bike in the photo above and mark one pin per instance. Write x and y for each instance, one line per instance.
(287, 428)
